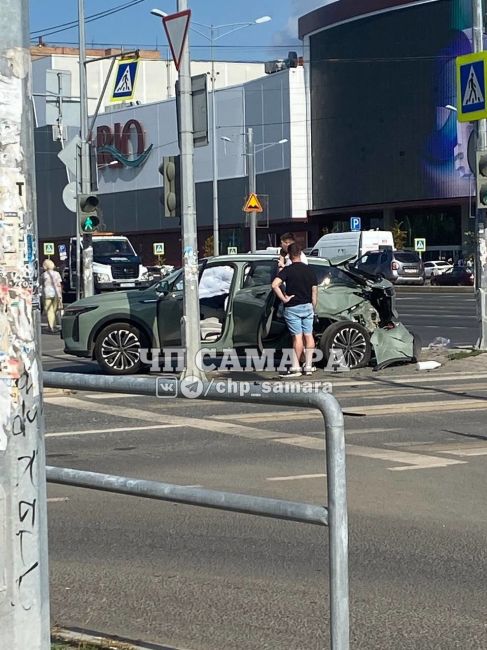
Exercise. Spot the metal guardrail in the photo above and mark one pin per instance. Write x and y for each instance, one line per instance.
(335, 515)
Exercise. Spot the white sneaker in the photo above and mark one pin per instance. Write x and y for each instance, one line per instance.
(292, 372)
(308, 371)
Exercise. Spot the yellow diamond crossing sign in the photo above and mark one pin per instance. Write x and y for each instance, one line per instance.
(253, 204)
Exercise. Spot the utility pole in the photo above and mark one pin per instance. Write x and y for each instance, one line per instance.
(24, 578)
(84, 178)
(481, 261)
(191, 304)
(252, 186)
(214, 146)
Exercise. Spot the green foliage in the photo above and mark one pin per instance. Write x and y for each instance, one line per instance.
(399, 235)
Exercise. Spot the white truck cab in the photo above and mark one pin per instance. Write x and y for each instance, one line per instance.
(116, 265)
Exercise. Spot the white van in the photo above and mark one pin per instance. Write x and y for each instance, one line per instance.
(341, 245)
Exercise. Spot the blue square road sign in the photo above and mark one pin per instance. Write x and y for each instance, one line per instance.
(355, 224)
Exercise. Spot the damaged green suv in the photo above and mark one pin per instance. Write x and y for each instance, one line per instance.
(356, 320)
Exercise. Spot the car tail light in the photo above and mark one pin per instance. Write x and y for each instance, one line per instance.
(395, 266)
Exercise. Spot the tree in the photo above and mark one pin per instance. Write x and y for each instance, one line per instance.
(208, 247)
(399, 235)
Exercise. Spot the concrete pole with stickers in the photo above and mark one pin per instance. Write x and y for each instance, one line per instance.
(24, 595)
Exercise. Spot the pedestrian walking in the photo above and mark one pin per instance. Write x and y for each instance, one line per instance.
(297, 287)
(52, 293)
(286, 240)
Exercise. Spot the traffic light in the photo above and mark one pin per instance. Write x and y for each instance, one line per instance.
(89, 220)
(481, 180)
(170, 168)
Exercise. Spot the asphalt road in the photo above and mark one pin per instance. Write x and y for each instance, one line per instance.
(450, 314)
(193, 578)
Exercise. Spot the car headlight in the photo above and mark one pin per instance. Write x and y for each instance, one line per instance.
(145, 276)
(76, 310)
(103, 277)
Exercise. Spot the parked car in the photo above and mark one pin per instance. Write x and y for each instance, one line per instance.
(455, 277)
(435, 267)
(238, 310)
(399, 267)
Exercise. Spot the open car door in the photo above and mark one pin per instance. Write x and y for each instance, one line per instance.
(253, 304)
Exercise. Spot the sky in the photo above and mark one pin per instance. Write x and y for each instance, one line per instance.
(135, 27)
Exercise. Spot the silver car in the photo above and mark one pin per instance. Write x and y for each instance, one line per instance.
(399, 267)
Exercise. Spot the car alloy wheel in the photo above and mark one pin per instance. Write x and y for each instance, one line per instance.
(349, 341)
(117, 349)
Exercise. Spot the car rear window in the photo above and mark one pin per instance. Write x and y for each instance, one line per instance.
(406, 257)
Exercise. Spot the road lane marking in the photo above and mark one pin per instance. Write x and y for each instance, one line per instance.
(85, 432)
(410, 460)
(298, 477)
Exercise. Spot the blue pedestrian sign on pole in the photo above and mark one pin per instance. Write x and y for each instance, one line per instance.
(355, 224)
(471, 87)
(124, 86)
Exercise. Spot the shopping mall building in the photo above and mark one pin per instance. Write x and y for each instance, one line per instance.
(362, 129)
(384, 144)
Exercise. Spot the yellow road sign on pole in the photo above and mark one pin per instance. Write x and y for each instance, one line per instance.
(253, 204)
(471, 87)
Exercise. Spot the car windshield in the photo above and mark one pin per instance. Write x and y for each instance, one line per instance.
(111, 247)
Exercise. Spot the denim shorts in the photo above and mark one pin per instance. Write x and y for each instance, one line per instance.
(299, 319)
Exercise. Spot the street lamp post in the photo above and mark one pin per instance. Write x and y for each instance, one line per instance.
(250, 151)
(212, 37)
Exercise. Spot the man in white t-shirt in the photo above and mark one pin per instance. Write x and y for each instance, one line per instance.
(286, 240)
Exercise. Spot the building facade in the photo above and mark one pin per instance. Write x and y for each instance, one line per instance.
(386, 144)
(132, 142)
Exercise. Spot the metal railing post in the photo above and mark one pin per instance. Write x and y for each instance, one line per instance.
(335, 516)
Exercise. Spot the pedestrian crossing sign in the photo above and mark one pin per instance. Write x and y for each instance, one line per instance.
(124, 86)
(419, 244)
(471, 87)
(158, 248)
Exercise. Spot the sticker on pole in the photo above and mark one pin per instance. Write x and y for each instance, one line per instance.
(471, 86)
(253, 204)
(124, 86)
(176, 27)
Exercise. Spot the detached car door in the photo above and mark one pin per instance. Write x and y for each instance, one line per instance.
(253, 303)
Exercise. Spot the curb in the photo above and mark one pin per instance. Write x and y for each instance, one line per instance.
(59, 634)
(427, 288)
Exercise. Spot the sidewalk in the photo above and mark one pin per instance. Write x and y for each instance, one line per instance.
(453, 361)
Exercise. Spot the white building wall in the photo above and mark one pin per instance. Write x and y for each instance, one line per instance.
(299, 144)
(156, 78)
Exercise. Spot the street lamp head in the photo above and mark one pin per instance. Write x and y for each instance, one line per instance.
(159, 13)
(283, 141)
(225, 138)
(451, 108)
(262, 19)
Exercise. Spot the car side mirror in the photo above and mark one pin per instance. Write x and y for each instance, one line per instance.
(163, 288)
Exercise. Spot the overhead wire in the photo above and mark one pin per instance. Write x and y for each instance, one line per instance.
(63, 27)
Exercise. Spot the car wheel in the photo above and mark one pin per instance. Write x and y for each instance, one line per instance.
(348, 338)
(117, 349)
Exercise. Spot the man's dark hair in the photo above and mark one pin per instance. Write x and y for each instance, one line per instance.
(287, 235)
(294, 251)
